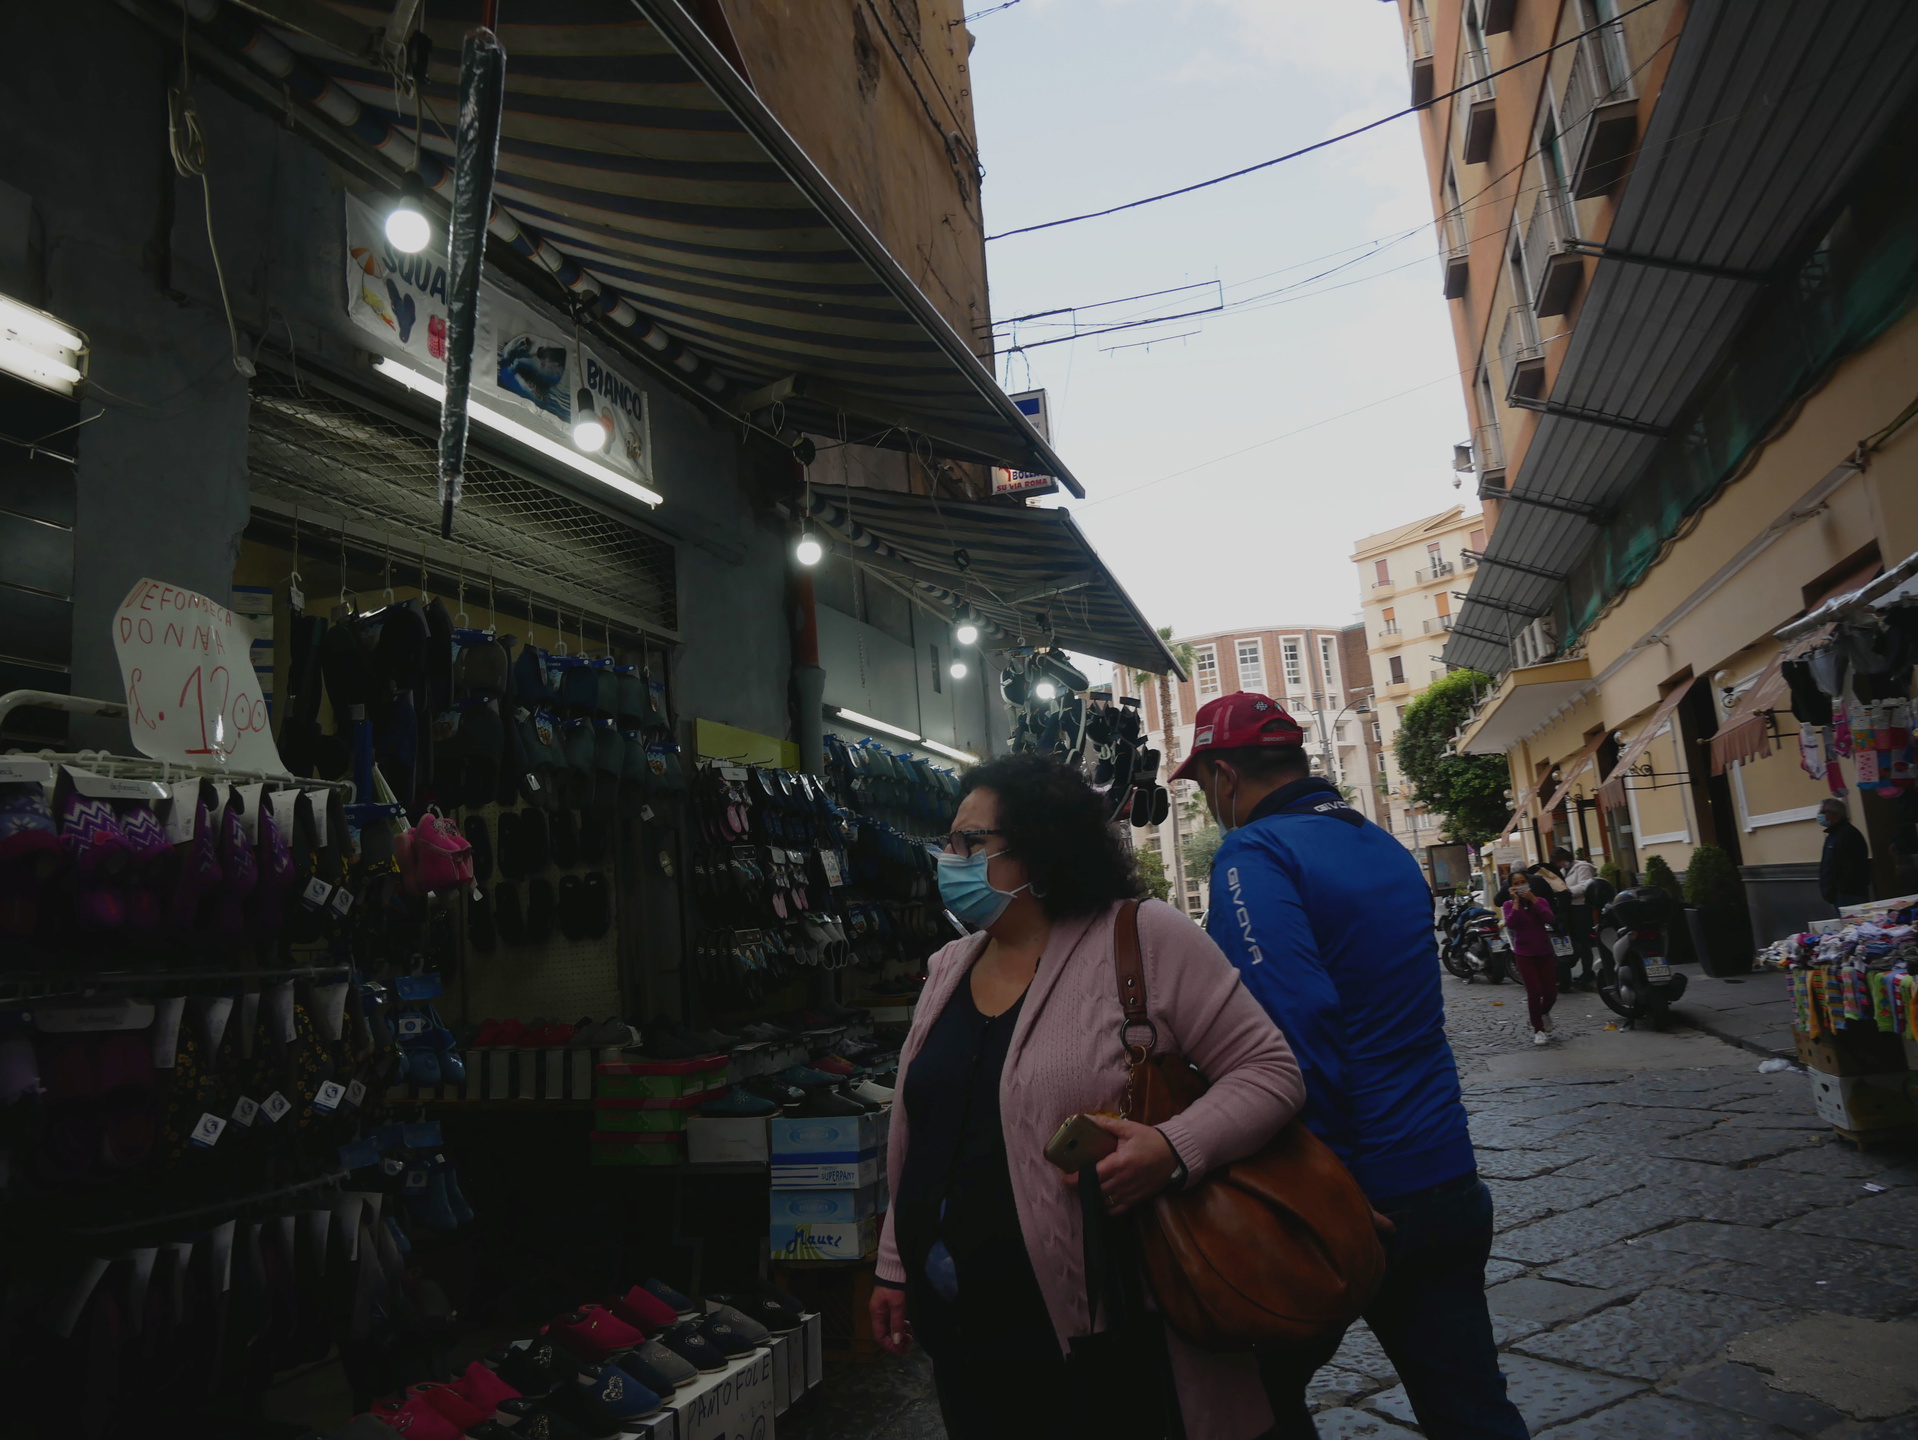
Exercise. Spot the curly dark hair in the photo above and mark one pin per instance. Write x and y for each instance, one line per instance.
(1056, 823)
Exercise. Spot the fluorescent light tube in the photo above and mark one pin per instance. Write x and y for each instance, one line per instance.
(524, 434)
(947, 750)
(866, 722)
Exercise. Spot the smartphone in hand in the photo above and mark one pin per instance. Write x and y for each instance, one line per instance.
(1079, 1143)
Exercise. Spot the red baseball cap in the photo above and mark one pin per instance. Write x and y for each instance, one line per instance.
(1238, 722)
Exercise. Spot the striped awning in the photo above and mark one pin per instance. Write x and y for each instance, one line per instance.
(640, 170)
(1025, 576)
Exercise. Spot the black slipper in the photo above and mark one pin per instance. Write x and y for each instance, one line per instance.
(536, 846)
(512, 851)
(565, 832)
(482, 844)
(507, 914)
(481, 738)
(608, 760)
(512, 766)
(573, 918)
(480, 927)
(540, 912)
(580, 751)
(598, 903)
(595, 836)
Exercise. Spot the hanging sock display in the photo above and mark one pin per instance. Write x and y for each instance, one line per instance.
(1810, 757)
(1834, 773)
(1841, 729)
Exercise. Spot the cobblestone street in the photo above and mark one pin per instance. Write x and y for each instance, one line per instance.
(1683, 1251)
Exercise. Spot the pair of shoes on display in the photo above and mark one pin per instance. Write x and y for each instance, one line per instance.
(820, 1104)
(739, 1103)
(873, 1091)
(667, 1039)
(765, 1034)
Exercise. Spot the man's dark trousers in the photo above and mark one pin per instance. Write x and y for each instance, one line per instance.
(1430, 1317)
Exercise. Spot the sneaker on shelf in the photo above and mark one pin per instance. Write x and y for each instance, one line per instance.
(607, 1035)
(675, 1370)
(823, 1104)
(1539, 1037)
(645, 1311)
(697, 1350)
(868, 1090)
(605, 1398)
(661, 1044)
(456, 1407)
(592, 1332)
(484, 1387)
(744, 1326)
(681, 1302)
(755, 1308)
(532, 1369)
(771, 1291)
(416, 1417)
(782, 1095)
(541, 1420)
(805, 1077)
(834, 1065)
(739, 1104)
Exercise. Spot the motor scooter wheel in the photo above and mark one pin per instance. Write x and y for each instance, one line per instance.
(1456, 962)
(1610, 992)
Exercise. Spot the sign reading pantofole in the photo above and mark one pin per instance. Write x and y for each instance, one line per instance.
(192, 695)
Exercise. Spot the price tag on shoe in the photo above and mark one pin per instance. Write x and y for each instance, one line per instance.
(275, 1106)
(245, 1111)
(355, 1095)
(327, 1098)
(206, 1133)
(342, 901)
(316, 893)
(416, 1180)
(829, 862)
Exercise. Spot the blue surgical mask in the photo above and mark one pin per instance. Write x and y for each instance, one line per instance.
(968, 893)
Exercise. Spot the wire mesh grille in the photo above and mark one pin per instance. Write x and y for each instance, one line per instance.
(335, 451)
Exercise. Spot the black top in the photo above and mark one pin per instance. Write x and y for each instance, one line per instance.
(1844, 867)
(957, 1187)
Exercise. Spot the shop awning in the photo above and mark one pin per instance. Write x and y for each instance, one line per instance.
(1025, 575)
(1611, 795)
(1586, 759)
(641, 171)
(1746, 731)
(1767, 112)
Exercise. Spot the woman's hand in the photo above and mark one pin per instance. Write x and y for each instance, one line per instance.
(890, 1327)
(1140, 1168)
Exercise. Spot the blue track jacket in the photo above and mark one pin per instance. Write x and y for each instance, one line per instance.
(1329, 921)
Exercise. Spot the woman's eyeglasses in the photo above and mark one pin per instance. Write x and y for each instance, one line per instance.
(965, 843)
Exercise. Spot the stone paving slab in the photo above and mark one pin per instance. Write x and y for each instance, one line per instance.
(1887, 1219)
(1549, 1301)
(1835, 1158)
(1604, 1223)
(1667, 1419)
(1809, 1257)
(1741, 1388)
(1623, 1267)
(1522, 1164)
(1866, 1296)
(1544, 1393)
(1361, 1353)
(1516, 1202)
(1348, 1424)
(1725, 1144)
(1663, 1330)
(1333, 1386)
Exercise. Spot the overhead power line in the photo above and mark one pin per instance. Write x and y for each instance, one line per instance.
(1322, 144)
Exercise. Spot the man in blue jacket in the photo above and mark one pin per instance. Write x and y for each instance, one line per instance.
(1329, 921)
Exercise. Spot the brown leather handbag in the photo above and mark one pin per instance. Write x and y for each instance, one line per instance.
(1277, 1247)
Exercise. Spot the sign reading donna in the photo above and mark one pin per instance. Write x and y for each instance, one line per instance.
(192, 695)
(537, 366)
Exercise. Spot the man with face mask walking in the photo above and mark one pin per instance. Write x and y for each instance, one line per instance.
(1844, 865)
(1329, 921)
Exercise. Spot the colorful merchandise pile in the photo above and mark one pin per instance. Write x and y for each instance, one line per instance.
(1863, 970)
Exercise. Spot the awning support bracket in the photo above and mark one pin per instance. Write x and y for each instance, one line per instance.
(1590, 417)
(1480, 635)
(1599, 251)
(1589, 513)
(1522, 611)
(1516, 566)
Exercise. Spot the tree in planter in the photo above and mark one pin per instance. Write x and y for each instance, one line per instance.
(1720, 924)
(1467, 790)
(1678, 935)
(1611, 875)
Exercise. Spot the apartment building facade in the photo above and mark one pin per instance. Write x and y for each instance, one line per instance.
(1411, 582)
(1681, 256)
(1308, 668)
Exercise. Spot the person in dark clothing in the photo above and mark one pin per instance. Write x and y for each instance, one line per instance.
(1328, 919)
(1844, 869)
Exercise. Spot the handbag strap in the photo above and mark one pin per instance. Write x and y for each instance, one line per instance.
(1129, 964)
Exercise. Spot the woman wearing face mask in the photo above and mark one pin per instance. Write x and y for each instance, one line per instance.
(1528, 920)
(982, 1257)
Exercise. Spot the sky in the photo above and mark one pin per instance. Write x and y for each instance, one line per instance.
(1087, 103)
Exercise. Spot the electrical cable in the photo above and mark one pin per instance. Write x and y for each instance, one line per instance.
(187, 142)
(1330, 140)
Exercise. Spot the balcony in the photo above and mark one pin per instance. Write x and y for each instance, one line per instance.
(1418, 55)
(1437, 624)
(1384, 587)
(1390, 627)
(1555, 267)
(1488, 455)
(1475, 114)
(1458, 253)
(1522, 356)
(1438, 570)
(1598, 119)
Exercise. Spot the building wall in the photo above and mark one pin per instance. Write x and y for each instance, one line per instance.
(841, 77)
(1406, 619)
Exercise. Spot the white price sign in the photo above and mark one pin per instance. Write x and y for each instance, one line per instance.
(192, 695)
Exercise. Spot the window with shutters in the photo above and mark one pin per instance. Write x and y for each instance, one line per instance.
(1294, 669)
(1205, 670)
(1397, 667)
(1251, 666)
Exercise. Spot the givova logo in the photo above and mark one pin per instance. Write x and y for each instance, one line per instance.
(1242, 915)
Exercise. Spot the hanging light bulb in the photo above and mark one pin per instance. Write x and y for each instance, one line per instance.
(406, 224)
(1046, 690)
(588, 431)
(967, 633)
(808, 551)
(957, 670)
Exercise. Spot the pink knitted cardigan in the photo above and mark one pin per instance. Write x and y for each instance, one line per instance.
(1066, 1057)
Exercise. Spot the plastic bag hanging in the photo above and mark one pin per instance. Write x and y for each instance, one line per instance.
(475, 162)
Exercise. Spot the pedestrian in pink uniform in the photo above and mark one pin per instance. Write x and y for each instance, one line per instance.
(1528, 920)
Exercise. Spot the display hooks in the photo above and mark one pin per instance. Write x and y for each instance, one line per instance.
(294, 598)
(459, 616)
(492, 613)
(344, 606)
(386, 576)
(559, 628)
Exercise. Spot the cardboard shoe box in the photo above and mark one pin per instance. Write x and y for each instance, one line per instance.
(660, 1079)
(806, 1241)
(824, 1207)
(714, 1141)
(827, 1153)
(1862, 1102)
(1851, 1050)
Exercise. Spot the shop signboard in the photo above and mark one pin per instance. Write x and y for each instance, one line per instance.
(193, 697)
(1035, 407)
(533, 365)
(1451, 866)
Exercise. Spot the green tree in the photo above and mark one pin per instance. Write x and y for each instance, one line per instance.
(1468, 791)
(1158, 885)
(1197, 850)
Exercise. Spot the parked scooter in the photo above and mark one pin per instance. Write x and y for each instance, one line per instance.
(1635, 977)
(1472, 942)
